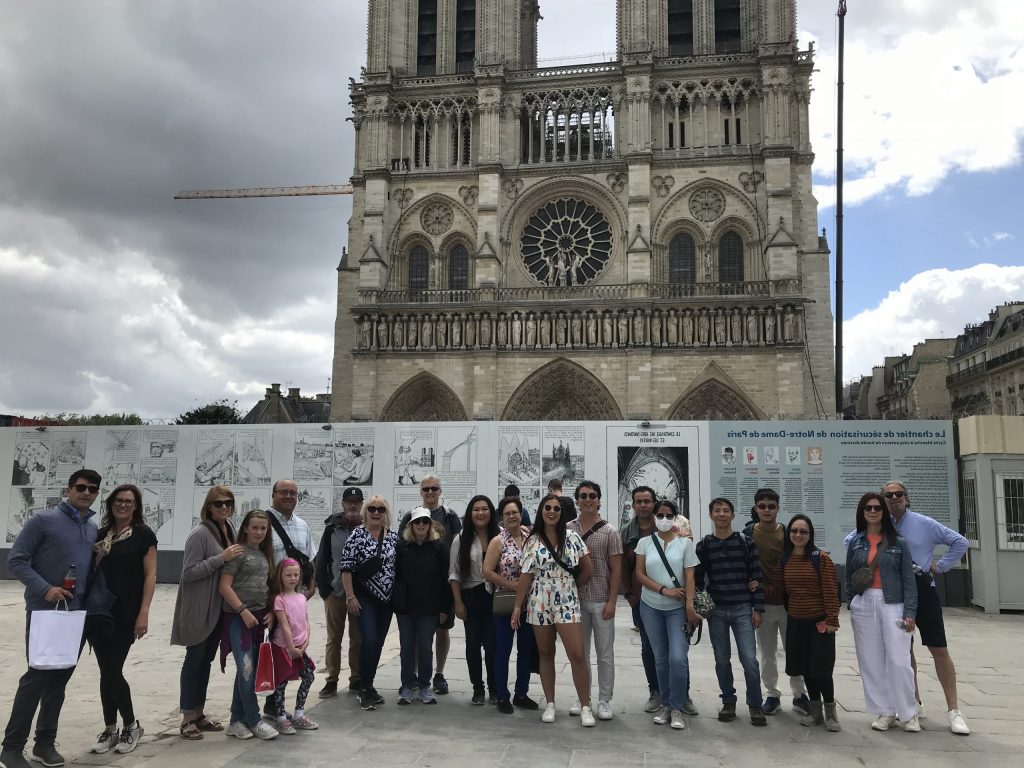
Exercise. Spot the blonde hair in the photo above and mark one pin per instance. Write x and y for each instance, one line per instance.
(436, 531)
(378, 501)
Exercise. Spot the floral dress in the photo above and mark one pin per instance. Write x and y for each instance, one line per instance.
(554, 598)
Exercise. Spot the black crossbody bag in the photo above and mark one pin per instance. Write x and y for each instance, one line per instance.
(305, 564)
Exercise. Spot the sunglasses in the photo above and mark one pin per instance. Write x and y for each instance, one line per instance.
(872, 507)
(587, 496)
(550, 508)
(376, 510)
(431, 489)
(420, 520)
(664, 516)
(894, 495)
(221, 503)
(83, 488)
(799, 532)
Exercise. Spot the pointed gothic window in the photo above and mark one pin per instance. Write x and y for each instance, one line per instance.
(426, 38)
(458, 269)
(727, 26)
(465, 35)
(682, 254)
(730, 258)
(419, 269)
(680, 27)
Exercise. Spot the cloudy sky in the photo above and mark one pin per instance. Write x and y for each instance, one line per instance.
(113, 296)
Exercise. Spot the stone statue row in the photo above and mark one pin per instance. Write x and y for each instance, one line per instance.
(704, 327)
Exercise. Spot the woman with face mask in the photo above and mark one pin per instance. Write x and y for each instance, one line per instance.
(664, 568)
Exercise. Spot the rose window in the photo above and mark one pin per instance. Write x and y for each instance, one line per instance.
(567, 242)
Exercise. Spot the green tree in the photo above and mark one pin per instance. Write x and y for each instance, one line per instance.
(218, 412)
(94, 420)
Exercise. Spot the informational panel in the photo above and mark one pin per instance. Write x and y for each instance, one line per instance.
(820, 468)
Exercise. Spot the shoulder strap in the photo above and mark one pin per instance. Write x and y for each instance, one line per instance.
(279, 530)
(597, 527)
(661, 552)
(745, 543)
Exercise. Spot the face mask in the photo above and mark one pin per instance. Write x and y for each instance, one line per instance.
(664, 524)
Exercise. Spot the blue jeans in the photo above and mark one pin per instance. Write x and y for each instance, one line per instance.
(195, 671)
(671, 653)
(244, 706)
(374, 621)
(416, 635)
(525, 648)
(646, 655)
(736, 618)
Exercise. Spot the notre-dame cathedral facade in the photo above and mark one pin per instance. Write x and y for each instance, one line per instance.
(634, 239)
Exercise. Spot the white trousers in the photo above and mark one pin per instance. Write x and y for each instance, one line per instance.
(883, 654)
(603, 632)
(773, 626)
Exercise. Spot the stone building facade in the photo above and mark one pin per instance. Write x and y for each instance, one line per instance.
(986, 368)
(915, 384)
(628, 239)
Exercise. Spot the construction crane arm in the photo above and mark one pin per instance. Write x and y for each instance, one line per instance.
(205, 194)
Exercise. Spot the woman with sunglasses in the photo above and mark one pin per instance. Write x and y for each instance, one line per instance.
(421, 600)
(472, 594)
(368, 575)
(197, 609)
(883, 615)
(502, 569)
(555, 561)
(806, 579)
(665, 563)
(125, 552)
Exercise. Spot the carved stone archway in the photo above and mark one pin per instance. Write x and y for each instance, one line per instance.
(713, 400)
(562, 391)
(424, 397)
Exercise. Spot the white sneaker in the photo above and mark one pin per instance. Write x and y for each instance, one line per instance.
(587, 717)
(677, 720)
(129, 738)
(884, 722)
(264, 730)
(283, 726)
(912, 725)
(549, 713)
(106, 741)
(921, 715)
(239, 730)
(604, 710)
(957, 723)
(575, 709)
(663, 716)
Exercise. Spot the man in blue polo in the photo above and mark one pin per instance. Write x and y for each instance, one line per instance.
(924, 534)
(51, 541)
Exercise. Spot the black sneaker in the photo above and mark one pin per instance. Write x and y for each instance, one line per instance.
(757, 717)
(440, 684)
(771, 705)
(478, 698)
(268, 708)
(492, 698)
(525, 702)
(505, 707)
(377, 698)
(802, 705)
(728, 712)
(47, 755)
(329, 690)
(13, 758)
(367, 700)
(355, 686)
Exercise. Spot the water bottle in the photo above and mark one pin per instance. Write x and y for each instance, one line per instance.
(70, 579)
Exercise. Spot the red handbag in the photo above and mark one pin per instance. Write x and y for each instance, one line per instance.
(265, 670)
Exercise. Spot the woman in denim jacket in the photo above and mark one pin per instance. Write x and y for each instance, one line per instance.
(883, 616)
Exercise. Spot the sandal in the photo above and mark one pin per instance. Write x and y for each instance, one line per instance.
(204, 723)
(190, 731)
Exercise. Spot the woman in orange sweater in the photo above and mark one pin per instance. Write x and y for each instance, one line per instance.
(807, 576)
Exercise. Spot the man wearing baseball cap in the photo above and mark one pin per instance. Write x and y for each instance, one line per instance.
(337, 528)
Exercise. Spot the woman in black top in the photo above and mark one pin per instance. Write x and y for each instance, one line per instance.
(125, 552)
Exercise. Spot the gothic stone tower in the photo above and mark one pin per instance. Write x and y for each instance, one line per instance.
(634, 239)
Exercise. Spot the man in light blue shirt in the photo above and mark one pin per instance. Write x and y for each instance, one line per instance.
(923, 534)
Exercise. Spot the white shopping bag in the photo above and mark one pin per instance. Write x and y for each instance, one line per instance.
(55, 638)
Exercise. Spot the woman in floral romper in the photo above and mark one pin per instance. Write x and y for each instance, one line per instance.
(555, 561)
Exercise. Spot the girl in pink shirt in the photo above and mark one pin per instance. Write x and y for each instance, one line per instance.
(291, 662)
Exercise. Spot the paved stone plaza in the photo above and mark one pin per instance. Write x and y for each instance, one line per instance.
(455, 733)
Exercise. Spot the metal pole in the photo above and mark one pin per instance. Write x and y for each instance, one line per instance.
(839, 213)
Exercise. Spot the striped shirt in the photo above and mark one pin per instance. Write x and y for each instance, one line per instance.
(728, 565)
(811, 594)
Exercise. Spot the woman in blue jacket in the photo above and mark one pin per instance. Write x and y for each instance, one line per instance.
(883, 615)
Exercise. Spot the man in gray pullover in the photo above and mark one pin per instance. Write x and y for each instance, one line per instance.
(51, 541)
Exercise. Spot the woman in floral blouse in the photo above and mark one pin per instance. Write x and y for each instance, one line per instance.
(555, 562)
(502, 569)
(368, 575)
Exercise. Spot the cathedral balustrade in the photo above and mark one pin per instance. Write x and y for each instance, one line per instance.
(629, 326)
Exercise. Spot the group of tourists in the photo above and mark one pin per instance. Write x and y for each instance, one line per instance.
(244, 593)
